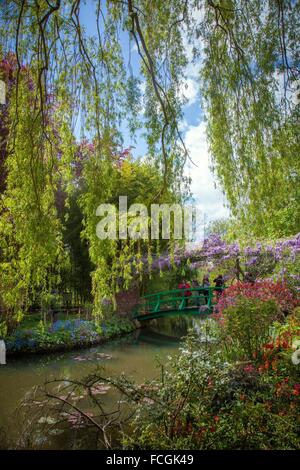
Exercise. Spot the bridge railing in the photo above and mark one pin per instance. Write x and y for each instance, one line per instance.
(177, 299)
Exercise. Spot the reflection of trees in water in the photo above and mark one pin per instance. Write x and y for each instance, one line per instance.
(178, 327)
(175, 326)
(74, 414)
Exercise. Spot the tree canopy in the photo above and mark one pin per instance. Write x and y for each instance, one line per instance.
(71, 85)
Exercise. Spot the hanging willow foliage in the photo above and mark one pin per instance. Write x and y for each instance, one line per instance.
(250, 82)
(73, 73)
(81, 83)
(31, 240)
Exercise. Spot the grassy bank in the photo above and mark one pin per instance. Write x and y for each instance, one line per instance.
(64, 334)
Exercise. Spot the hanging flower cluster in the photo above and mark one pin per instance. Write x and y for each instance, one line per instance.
(216, 251)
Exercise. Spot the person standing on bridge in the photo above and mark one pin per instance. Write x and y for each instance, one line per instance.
(249, 277)
(181, 285)
(206, 286)
(196, 293)
(186, 293)
(220, 284)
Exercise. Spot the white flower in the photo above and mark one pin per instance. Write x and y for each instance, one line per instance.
(296, 357)
(296, 344)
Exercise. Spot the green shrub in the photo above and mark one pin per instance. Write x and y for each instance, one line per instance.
(204, 403)
(246, 326)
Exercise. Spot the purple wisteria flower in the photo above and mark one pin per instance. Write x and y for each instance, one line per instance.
(215, 251)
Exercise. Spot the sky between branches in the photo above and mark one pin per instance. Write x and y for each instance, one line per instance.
(206, 196)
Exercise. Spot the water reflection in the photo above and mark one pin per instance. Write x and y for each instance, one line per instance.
(134, 355)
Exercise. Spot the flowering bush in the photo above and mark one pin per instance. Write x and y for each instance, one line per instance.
(206, 403)
(65, 334)
(263, 290)
(246, 325)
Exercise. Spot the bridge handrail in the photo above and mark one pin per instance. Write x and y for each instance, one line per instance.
(145, 301)
(181, 291)
(151, 303)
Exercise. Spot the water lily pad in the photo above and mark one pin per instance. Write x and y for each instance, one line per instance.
(56, 432)
(100, 389)
(46, 420)
(104, 356)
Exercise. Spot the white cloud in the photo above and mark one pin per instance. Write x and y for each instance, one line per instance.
(189, 90)
(134, 47)
(209, 200)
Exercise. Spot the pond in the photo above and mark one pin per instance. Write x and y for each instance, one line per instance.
(135, 355)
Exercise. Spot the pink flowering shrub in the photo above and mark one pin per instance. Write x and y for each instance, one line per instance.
(263, 290)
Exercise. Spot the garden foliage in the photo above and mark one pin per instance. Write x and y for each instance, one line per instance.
(65, 334)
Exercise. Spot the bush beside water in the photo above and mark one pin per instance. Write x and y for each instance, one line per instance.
(213, 396)
(65, 334)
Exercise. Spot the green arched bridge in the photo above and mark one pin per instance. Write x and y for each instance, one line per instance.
(195, 300)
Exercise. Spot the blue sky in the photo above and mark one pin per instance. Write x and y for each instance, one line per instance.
(209, 199)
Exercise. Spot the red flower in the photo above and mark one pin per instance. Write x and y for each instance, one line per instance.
(201, 432)
(209, 383)
(296, 390)
(263, 290)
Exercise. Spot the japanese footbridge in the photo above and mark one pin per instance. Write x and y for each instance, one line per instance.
(196, 300)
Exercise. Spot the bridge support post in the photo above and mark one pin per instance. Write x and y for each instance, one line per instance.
(210, 297)
(157, 306)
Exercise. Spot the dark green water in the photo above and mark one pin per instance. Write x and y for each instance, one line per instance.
(134, 355)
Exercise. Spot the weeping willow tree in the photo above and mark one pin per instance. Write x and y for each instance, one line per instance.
(251, 87)
(68, 80)
(72, 77)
